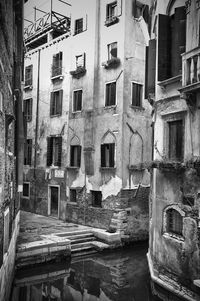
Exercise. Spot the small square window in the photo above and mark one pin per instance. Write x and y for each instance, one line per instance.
(111, 10)
(28, 109)
(26, 190)
(110, 94)
(112, 50)
(77, 101)
(78, 26)
(57, 64)
(75, 155)
(108, 155)
(29, 75)
(136, 95)
(96, 198)
(73, 195)
(56, 103)
(28, 152)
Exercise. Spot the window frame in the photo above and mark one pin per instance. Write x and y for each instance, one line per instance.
(141, 94)
(28, 81)
(28, 155)
(51, 147)
(30, 101)
(93, 197)
(56, 105)
(109, 7)
(82, 55)
(57, 58)
(166, 231)
(70, 191)
(109, 48)
(105, 94)
(103, 145)
(76, 164)
(29, 188)
(79, 30)
(73, 100)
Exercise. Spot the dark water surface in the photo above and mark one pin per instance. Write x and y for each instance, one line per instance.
(121, 275)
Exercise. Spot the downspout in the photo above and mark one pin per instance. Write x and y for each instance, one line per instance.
(36, 122)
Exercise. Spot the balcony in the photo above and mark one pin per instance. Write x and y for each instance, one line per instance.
(191, 71)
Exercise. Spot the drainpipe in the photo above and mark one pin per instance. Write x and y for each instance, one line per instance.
(36, 121)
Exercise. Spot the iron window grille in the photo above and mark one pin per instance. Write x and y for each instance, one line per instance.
(78, 26)
(28, 109)
(108, 155)
(174, 222)
(136, 95)
(28, 152)
(77, 100)
(56, 103)
(110, 94)
(57, 64)
(54, 151)
(29, 75)
(75, 155)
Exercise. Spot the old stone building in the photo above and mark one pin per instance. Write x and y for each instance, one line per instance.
(11, 136)
(88, 122)
(173, 90)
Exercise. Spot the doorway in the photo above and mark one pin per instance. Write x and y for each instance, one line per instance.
(54, 200)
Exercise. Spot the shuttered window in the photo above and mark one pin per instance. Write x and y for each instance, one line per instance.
(96, 198)
(174, 222)
(78, 26)
(110, 94)
(136, 95)
(28, 152)
(112, 50)
(57, 64)
(150, 68)
(28, 109)
(75, 155)
(54, 151)
(77, 100)
(111, 10)
(29, 75)
(176, 140)
(108, 155)
(56, 103)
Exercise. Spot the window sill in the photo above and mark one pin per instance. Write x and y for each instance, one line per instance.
(111, 20)
(176, 237)
(110, 107)
(28, 87)
(26, 197)
(107, 169)
(73, 203)
(138, 108)
(78, 32)
(93, 206)
(75, 168)
(57, 77)
(170, 80)
(57, 115)
(76, 112)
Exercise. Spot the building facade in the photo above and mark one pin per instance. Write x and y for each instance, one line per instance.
(172, 85)
(88, 123)
(11, 136)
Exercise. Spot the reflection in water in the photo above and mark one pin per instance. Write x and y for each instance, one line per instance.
(114, 276)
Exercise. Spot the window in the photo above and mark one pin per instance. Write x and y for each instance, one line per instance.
(56, 103)
(176, 140)
(80, 61)
(75, 155)
(136, 95)
(6, 236)
(108, 155)
(26, 190)
(77, 100)
(96, 198)
(57, 64)
(78, 26)
(54, 151)
(112, 50)
(73, 195)
(111, 10)
(29, 75)
(110, 94)
(174, 222)
(28, 109)
(28, 152)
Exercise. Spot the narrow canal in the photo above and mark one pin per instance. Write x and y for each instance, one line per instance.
(120, 275)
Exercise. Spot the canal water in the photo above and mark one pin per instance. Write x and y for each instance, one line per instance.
(120, 275)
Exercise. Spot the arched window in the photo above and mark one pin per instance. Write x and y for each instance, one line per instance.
(75, 152)
(108, 150)
(174, 222)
